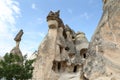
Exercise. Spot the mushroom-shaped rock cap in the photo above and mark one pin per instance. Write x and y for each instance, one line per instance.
(19, 35)
(53, 15)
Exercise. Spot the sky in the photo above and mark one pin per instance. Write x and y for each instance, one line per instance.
(30, 15)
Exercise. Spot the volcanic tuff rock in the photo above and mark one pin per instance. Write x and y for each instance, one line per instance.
(103, 62)
(16, 49)
(66, 55)
(59, 55)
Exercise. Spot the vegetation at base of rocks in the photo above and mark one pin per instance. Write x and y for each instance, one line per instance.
(13, 67)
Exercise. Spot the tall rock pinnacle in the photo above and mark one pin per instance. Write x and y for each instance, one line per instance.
(16, 49)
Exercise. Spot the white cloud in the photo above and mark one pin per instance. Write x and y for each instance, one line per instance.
(8, 11)
(34, 6)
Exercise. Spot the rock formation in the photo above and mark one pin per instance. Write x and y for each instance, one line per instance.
(67, 55)
(59, 55)
(16, 49)
(103, 62)
(47, 50)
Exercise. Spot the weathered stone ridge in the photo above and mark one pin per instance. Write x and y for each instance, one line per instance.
(104, 50)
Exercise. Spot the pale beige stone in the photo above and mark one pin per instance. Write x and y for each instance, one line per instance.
(105, 45)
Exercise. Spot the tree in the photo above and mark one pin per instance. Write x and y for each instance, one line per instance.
(15, 67)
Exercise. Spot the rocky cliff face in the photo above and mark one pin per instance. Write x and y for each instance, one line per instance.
(66, 55)
(103, 62)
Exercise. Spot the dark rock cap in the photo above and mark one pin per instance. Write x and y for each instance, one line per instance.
(19, 35)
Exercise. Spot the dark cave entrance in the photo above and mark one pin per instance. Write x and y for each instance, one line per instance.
(75, 69)
(83, 52)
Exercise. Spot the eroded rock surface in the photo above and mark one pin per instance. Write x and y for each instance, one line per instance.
(103, 62)
(47, 50)
(67, 55)
(59, 55)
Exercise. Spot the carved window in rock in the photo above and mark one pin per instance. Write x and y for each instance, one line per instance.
(83, 52)
(59, 66)
(67, 48)
(56, 66)
(75, 69)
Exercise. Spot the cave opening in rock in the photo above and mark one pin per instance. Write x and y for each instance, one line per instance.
(56, 66)
(67, 48)
(84, 55)
(59, 66)
(73, 37)
(83, 52)
(75, 69)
